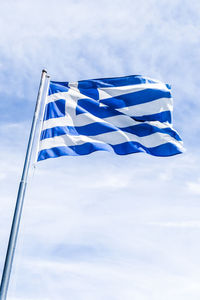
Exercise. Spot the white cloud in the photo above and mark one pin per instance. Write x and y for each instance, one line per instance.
(183, 224)
(101, 227)
(194, 187)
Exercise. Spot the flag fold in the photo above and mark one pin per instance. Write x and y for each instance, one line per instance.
(124, 115)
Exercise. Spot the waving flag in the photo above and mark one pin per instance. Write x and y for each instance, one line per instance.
(124, 115)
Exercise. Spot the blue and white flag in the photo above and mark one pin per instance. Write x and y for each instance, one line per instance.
(124, 115)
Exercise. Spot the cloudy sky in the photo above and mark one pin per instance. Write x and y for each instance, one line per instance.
(101, 226)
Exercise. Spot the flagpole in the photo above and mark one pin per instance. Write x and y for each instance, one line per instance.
(21, 193)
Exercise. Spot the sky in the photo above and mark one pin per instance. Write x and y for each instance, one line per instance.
(101, 226)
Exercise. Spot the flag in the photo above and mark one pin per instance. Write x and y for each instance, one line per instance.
(123, 114)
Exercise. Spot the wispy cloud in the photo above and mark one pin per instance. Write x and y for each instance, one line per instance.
(194, 187)
(183, 224)
(101, 227)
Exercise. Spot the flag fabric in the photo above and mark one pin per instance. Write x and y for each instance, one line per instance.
(124, 115)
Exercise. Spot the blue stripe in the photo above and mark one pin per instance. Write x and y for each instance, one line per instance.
(58, 87)
(165, 116)
(92, 84)
(126, 100)
(91, 92)
(88, 130)
(164, 150)
(55, 109)
(94, 129)
(116, 81)
(145, 129)
(135, 98)
(92, 107)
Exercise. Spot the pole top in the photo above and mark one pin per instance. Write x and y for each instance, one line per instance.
(45, 72)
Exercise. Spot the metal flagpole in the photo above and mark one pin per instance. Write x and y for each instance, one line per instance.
(21, 193)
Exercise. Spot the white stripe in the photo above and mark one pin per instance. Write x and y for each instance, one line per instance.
(71, 119)
(149, 108)
(86, 119)
(105, 93)
(121, 121)
(73, 85)
(57, 96)
(72, 93)
(113, 138)
(115, 91)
